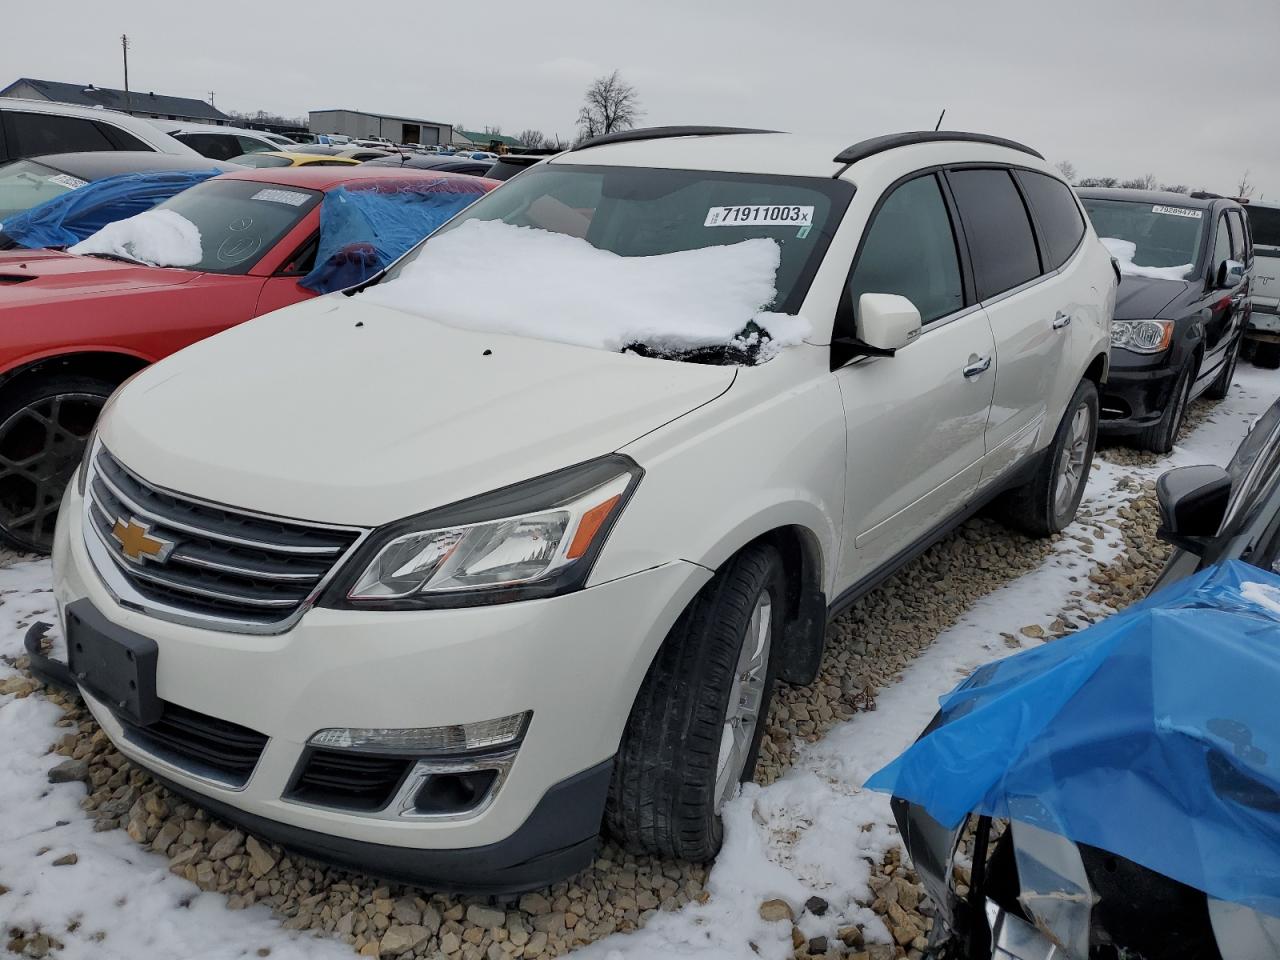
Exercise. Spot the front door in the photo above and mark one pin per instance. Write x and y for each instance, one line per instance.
(915, 420)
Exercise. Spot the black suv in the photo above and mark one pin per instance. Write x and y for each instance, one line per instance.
(1181, 309)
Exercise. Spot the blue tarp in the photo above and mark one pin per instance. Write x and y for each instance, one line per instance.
(366, 225)
(79, 213)
(1154, 734)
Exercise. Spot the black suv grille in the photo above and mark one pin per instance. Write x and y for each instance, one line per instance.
(223, 563)
(202, 744)
(349, 780)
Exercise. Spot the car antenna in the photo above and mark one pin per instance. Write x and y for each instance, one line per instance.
(938, 126)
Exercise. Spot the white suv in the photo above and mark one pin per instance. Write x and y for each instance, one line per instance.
(436, 600)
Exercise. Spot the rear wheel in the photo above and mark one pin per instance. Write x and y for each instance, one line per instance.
(694, 731)
(1048, 501)
(1219, 388)
(1161, 436)
(43, 429)
(1266, 355)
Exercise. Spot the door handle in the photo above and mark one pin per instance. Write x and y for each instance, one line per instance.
(977, 367)
(1061, 320)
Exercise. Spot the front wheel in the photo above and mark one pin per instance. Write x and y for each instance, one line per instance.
(1266, 355)
(694, 731)
(1222, 385)
(1162, 435)
(43, 428)
(1048, 501)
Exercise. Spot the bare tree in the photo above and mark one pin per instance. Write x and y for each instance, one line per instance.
(1097, 182)
(492, 131)
(557, 142)
(532, 138)
(1176, 187)
(1068, 170)
(610, 104)
(1244, 188)
(1147, 182)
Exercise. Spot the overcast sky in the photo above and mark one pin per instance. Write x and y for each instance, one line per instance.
(1185, 89)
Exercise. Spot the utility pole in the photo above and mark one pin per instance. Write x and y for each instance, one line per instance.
(211, 103)
(124, 49)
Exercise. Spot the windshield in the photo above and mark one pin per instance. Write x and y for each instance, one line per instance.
(240, 220)
(261, 160)
(1164, 238)
(25, 183)
(642, 212)
(1264, 222)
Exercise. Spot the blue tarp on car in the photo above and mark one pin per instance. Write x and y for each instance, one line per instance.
(365, 226)
(1154, 734)
(77, 214)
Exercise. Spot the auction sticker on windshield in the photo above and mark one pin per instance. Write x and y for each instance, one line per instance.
(291, 197)
(1177, 211)
(68, 181)
(759, 216)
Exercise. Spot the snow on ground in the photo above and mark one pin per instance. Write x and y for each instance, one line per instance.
(491, 276)
(815, 831)
(1124, 252)
(161, 238)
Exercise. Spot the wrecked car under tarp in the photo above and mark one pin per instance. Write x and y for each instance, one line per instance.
(1136, 766)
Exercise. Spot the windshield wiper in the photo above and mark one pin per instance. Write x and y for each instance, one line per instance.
(122, 258)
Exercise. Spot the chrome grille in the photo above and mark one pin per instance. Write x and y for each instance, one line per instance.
(228, 565)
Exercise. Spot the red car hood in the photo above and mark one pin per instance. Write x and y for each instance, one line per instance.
(31, 276)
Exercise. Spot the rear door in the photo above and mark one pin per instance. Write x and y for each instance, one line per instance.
(1029, 313)
(916, 420)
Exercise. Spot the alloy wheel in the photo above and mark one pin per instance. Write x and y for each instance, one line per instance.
(746, 698)
(1072, 462)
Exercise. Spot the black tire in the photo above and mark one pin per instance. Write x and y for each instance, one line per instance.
(44, 424)
(1222, 385)
(1035, 507)
(1162, 435)
(1266, 355)
(662, 799)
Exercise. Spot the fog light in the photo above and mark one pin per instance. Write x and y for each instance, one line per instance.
(425, 741)
(446, 793)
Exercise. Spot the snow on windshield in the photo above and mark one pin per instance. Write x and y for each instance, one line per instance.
(161, 238)
(491, 276)
(1124, 250)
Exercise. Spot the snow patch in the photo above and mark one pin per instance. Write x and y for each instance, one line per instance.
(1124, 251)
(161, 238)
(494, 277)
(1264, 595)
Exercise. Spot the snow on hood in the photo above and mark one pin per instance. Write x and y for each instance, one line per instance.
(161, 238)
(1124, 250)
(493, 277)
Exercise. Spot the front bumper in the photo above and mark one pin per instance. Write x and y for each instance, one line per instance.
(1264, 324)
(574, 661)
(1135, 396)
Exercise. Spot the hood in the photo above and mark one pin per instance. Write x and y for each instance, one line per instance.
(1142, 298)
(342, 411)
(37, 276)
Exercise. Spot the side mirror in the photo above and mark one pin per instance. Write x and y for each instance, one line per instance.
(1230, 272)
(887, 322)
(1193, 504)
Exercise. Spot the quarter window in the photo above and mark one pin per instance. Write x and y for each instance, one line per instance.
(910, 250)
(1057, 213)
(1001, 241)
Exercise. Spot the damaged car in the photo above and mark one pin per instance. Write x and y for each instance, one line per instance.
(438, 577)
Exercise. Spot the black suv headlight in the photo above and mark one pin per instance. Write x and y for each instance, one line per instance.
(533, 539)
(1142, 336)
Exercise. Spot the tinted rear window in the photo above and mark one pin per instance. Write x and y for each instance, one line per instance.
(1001, 241)
(1265, 224)
(37, 133)
(217, 146)
(1056, 212)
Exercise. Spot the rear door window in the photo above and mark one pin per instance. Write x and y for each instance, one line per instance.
(216, 146)
(1057, 213)
(252, 145)
(1001, 241)
(122, 139)
(910, 250)
(38, 133)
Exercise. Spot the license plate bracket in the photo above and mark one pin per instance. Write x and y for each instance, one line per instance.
(116, 665)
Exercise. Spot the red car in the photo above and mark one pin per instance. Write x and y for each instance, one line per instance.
(75, 327)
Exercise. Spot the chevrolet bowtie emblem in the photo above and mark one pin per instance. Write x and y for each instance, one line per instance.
(137, 544)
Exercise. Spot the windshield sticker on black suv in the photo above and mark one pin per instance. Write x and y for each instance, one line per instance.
(291, 197)
(759, 216)
(1177, 211)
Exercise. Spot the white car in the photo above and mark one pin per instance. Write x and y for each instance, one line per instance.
(30, 128)
(223, 142)
(435, 599)
(1264, 282)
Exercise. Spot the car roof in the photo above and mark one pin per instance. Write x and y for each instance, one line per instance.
(189, 126)
(326, 178)
(97, 164)
(1165, 197)
(787, 154)
(143, 129)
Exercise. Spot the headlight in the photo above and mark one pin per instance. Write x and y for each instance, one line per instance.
(534, 539)
(82, 476)
(1142, 336)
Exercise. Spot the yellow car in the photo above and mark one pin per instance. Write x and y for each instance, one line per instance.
(285, 158)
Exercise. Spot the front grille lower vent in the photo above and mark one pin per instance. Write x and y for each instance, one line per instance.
(201, 744)
(211, 561)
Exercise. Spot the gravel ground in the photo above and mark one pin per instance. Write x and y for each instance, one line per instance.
(867, 648)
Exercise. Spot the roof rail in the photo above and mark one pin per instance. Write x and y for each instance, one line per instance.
(890, 141)
(662, 133)
(1205, 195)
